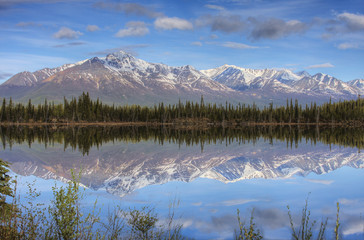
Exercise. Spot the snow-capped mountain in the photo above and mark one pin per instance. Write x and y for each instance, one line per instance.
(283, 81)
(119, 77)
(123, 79)
(358, 83)
(27, 79)
(242, 78)
(325, 84)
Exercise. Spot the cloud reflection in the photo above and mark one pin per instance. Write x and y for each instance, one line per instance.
(236, 202)
(325, 182)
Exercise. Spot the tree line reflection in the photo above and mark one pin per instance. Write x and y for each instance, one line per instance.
(84, 138)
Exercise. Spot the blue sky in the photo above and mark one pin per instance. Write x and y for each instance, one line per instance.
(311, 35)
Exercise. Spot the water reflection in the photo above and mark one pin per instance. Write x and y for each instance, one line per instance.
(124, 159)
(212, 171)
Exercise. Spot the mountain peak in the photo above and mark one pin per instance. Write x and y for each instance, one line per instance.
(323, 77)
(124, 61)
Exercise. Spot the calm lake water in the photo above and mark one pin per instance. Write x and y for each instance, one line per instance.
(212, 172)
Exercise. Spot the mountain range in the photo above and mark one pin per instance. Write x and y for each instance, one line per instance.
(121, 78)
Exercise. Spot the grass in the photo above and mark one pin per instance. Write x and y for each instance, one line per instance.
(305, 229)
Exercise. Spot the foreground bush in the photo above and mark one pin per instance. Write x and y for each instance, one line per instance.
(64, 219)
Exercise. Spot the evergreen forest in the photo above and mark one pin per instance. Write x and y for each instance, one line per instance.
(84, 109)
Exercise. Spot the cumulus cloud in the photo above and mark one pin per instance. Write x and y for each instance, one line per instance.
(353, 22)
(167, 23)
(344, 23)
(133, 29)
(129, 8)
(323, 65)
(67, 33)
(92, 28)
(238, 45)
(214, 7)
(197, 44)
(223, 23)
(275, 28)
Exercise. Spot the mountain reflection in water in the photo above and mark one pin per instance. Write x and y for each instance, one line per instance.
(212, 171)
(124, 159)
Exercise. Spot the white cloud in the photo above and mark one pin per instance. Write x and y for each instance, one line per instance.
(215, 7)
(92, 28)
(197, 44)
(166, 23)
(238, 45)
(67, 33)
(354, 22)
(323, 65)
(133, 29)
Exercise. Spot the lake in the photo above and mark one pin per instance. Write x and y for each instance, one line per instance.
(212, 172)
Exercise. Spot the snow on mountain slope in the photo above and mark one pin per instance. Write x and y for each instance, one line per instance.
(324, 84)
(358, 83)
(244, 78)
(302, 74)
(27, 79)
(124, 69)
(152, 74)
(122, 78)
(283, 81)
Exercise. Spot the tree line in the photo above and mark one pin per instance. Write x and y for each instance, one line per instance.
(84, 109)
